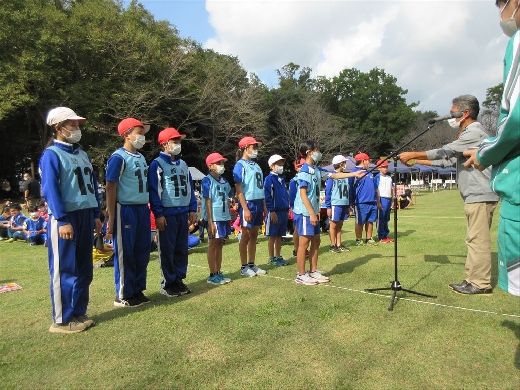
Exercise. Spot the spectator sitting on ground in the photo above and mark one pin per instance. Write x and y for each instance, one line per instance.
(43, 210)
(15, 228)
(405, 199)
(34, 228)
(193, 240)
(4, 223)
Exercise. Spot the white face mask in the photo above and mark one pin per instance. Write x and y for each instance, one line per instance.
(316, 156)
(220, 169)
(453, 123)
(253, 154)
(509, 26)
(139, 142)
(175, 149)
(74, 137)
(33, 215)
(278, 169)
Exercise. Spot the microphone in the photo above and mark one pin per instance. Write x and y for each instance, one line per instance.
(444, 117)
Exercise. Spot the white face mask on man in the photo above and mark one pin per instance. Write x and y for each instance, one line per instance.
(509, 26)
(453, 123)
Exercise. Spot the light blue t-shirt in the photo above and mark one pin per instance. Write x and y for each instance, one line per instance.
(219, 192)
(131, 175)
(76, 180)
(176, 188)
(309, 178)
(250, 175)
(339, 192)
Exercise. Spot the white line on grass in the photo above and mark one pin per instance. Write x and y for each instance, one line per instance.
(389, 296)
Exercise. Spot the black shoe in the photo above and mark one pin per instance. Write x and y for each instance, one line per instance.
(170, 292)
(141, 297)
(464, 283)
(182, 288)
(470, 289)
(132, 302)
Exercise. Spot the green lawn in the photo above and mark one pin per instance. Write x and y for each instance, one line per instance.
(268, 332)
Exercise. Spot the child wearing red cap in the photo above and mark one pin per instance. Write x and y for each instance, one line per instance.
(364, 197)
(129, 215)
(215, 212)
(249, 184)
(385, 188)
(174, 205)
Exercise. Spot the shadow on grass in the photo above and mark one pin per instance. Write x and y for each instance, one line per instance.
(515, 327)
(350, 266)
(439, 259)
(157, 299)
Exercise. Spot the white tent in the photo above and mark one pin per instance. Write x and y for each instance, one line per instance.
(196, 174)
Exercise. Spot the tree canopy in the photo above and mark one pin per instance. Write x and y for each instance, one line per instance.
(107, 62)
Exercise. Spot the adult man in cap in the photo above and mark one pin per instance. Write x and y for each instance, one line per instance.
(479, 201)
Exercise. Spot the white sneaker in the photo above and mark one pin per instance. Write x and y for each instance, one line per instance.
(305, 279)
(247, 271)
(258, 271)
(316, 275)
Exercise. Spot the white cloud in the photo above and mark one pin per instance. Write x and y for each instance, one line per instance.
(436, 49)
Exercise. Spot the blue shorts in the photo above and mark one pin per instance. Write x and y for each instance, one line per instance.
(277, 229)
(223, 229)
(366, 212)
(339, 213)
(256, 207)
(304, 227)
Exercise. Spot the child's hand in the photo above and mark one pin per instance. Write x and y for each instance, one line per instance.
(212, 230)
(66, 232)
(247, 215)
(160, 223)
(314, 220)
(360, 173)
(274, 217)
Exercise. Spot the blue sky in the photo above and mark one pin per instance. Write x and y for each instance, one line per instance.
(437, 50)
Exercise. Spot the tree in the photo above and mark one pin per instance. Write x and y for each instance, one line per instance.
(371, 105)
(491, 108)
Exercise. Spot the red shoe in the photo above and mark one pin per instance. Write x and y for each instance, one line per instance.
(386, 240)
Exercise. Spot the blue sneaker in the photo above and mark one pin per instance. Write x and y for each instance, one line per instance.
(223, 278)
(272, 260)
(279, 261)
(215, 280)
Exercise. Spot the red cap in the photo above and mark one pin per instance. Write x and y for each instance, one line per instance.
(246, 141)
(381, 163)
(361, 157)
(168, 134)
(129, 123)
(214, 158)
(299, 164)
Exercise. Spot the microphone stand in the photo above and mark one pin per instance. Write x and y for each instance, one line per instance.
(395, 284)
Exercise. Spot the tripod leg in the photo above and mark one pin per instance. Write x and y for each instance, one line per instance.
(418, 293)
(391, 307)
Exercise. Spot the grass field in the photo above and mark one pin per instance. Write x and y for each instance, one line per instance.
(268, 332)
